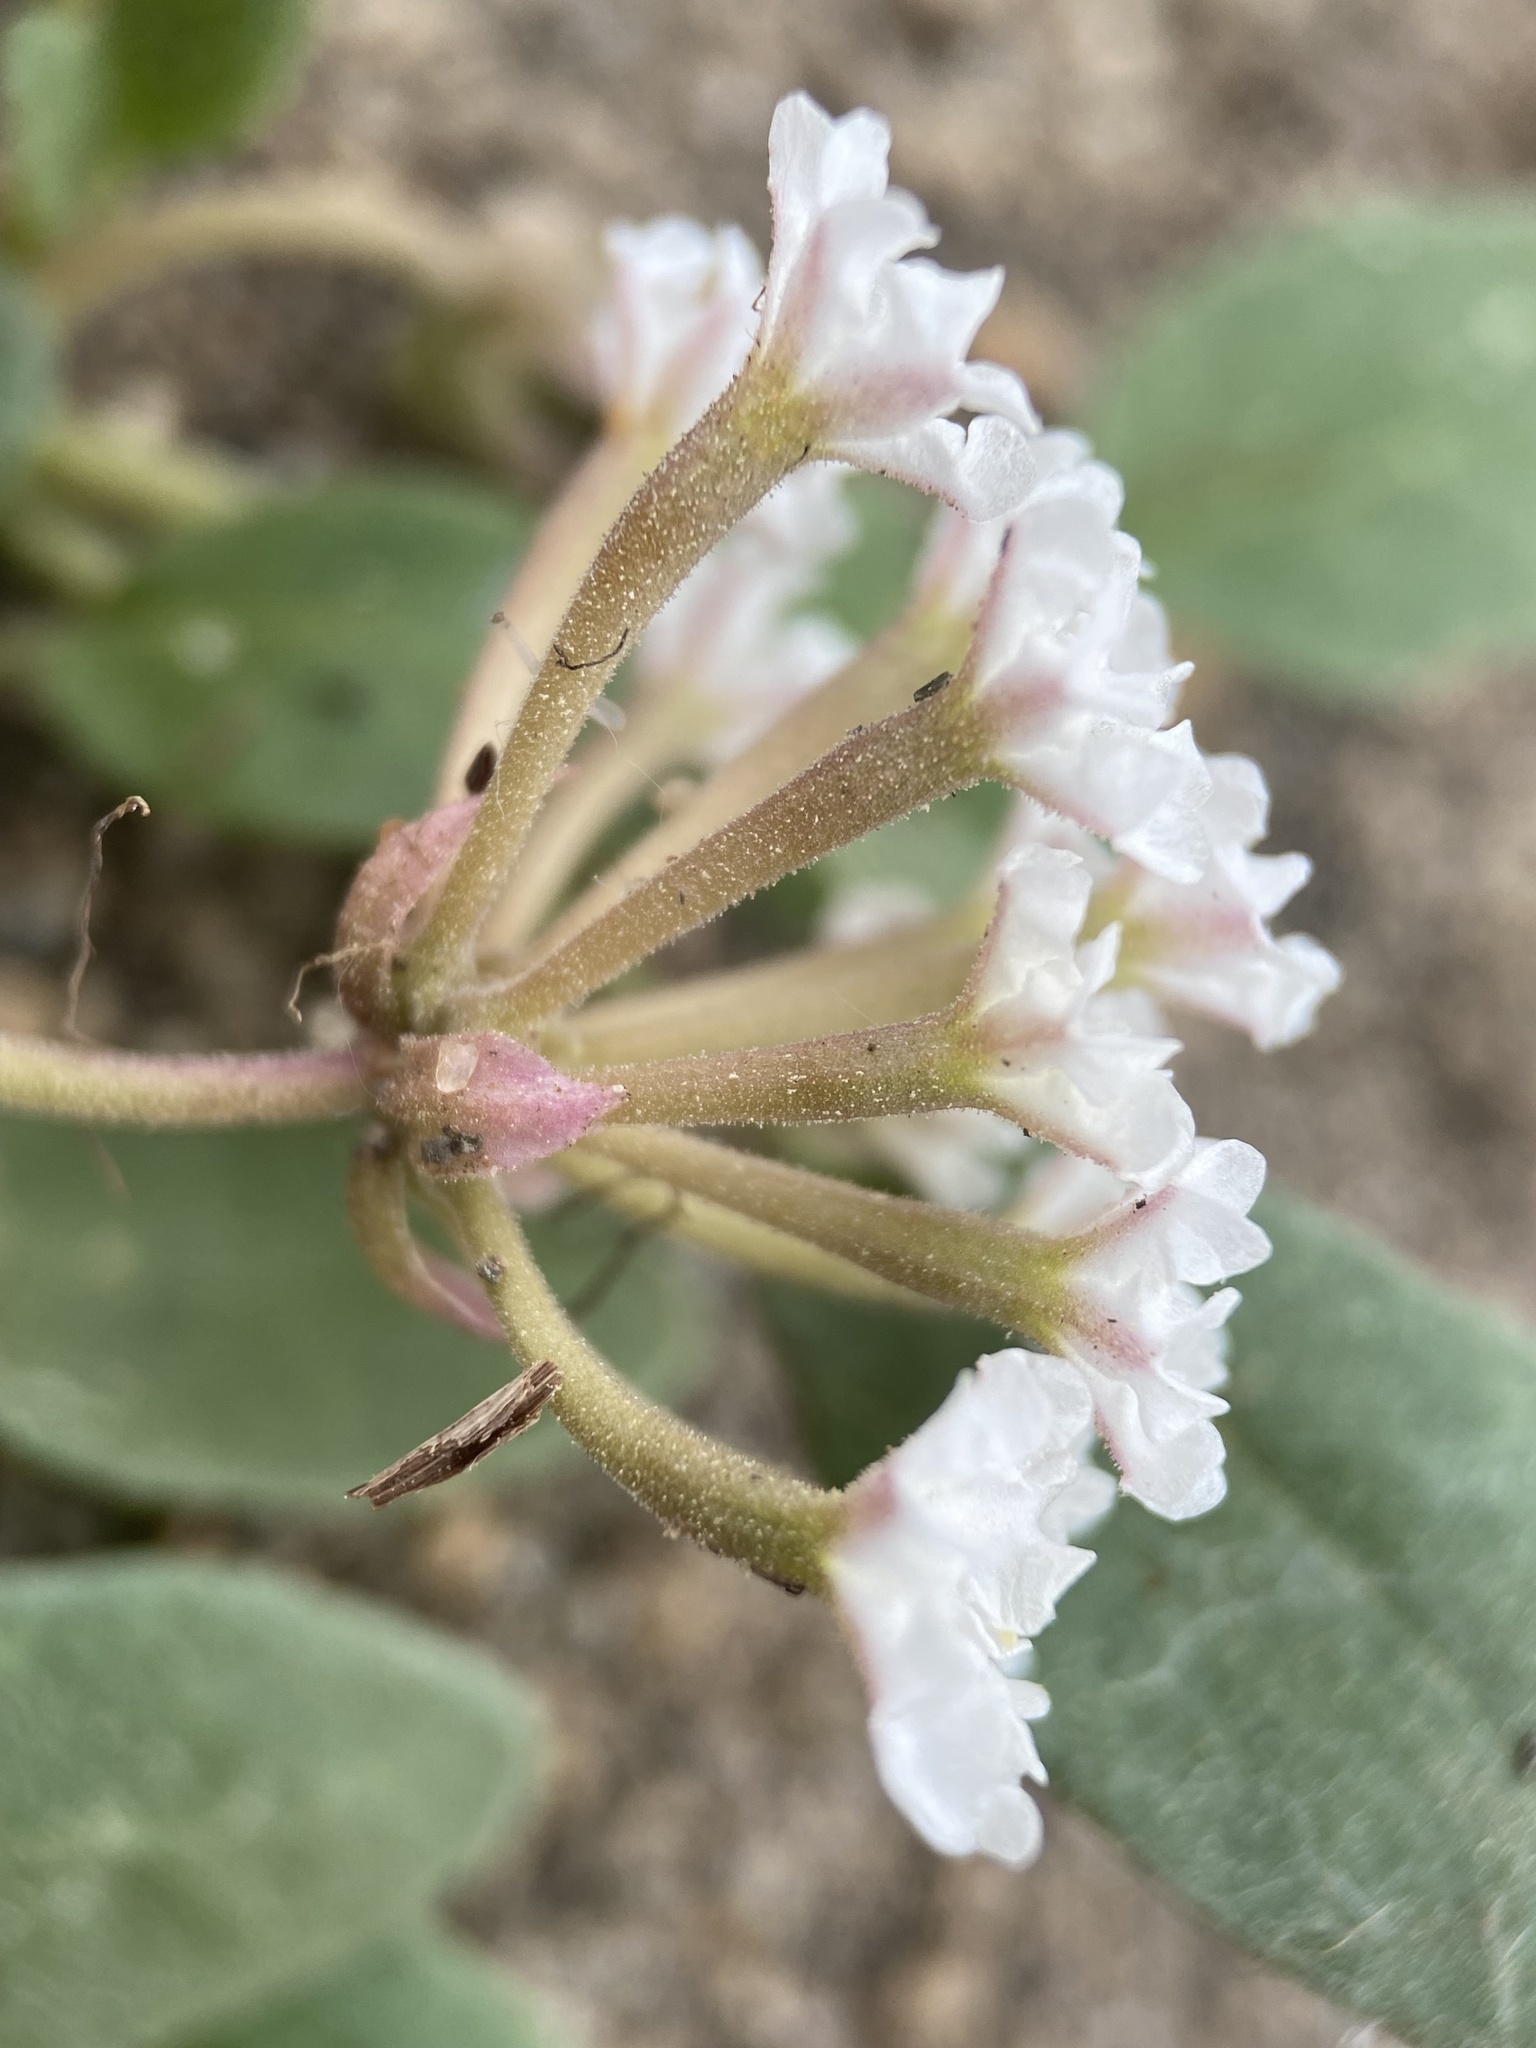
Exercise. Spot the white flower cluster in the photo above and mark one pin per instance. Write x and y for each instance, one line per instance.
(1129, 880)
(731, 649)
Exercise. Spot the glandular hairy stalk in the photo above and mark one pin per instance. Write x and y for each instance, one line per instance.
(922, 754)
(880, 679)
(823, 989)
(748, 440)
(973, 1263)
(764, 1518)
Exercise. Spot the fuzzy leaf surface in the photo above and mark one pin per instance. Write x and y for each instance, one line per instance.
(1328, 437)
(292, 673)
(216, 1783)
(216, 1336)
(422, 1993)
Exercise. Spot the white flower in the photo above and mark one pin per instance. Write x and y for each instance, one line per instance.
(1129, 1317)
(728, 644)
(1070, 666)
(875, 337)
(677, 324)
(956, 1558)
(1206, 945)
(1057, 1057)
(959, 1158)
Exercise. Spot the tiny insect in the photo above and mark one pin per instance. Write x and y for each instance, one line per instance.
(933, 687)
(477, 775)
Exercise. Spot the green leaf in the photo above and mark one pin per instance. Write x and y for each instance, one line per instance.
(198, 74)
(865, 589)
(865, 1377)
(215, 1784)
(1310, 1709)
(28, 383)
(293, 672)
(51, 84)
(425, 1993)
(216, 1336)
(1329, 442)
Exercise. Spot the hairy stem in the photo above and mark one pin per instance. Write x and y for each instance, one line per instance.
(542, 586)
(922, 754)
(879, 680)
(735, 1505)
(120, 469)
(826, 988)
(885, 1070)
(749, 440)
(974, 1263)
(330, 219)
(182, 1091)
(376, 1204)
(774, 1253)
(608, 775)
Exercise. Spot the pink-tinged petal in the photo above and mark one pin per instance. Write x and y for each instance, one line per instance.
(677, 323)
(875, 337)
(397, 876)
(955, 1556)
(478, 1103)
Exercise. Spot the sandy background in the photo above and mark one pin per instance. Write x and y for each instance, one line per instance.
(715, 1867)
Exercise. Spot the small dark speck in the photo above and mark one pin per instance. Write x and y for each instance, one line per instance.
(1525, 1754)
(1140, 1202)
(870, 1047)
(932, 689)
(477, 775)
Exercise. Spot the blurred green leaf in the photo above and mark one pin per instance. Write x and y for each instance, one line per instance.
(943, 851)
(865, 589)
(426, 1993)
(215, 1335)
(51, 89)
(1311, 1708)
(198, 74)
(865, 1377)
(1329, 442)
(215, 1784)
(294, 671)
(27, 376)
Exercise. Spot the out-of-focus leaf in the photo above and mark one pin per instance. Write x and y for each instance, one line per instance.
(51, 91)
(197, 74)
(294, 671)
(1311, 1708)
(425, 1993)
(1329, 442)
(27, 376)
(215, 1335)
(865, 589)
(942, 851)
(864, 1377)
(215, 1783)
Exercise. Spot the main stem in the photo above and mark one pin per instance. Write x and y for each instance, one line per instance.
(183, 1091)
(763, 1517)
(749, 440)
